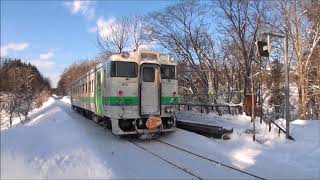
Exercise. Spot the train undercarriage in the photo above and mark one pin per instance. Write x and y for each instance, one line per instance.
(129, 126)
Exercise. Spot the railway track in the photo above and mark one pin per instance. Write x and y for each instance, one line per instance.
(212, 163)
(145, 145)
(164, 159)
(211, 160)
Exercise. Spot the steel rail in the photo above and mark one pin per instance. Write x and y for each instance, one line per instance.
(211, 160)
(163, 159)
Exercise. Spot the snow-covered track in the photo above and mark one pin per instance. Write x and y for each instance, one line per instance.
(148, 146)
(211, 160)
(194, 164)
(166, 160)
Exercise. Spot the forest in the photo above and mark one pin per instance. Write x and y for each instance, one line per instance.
(22, 88)
(214, 43)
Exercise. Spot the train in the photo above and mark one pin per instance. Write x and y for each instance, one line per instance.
(132, 92)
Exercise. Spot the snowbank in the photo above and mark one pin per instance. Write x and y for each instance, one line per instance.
(272, 155)
(46, 147)
(59, 143)
(66, 99)
(16, 120)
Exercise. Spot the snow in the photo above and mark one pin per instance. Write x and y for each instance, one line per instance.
(66, 99)
(16, 120)
(282, 158)
(59, 143)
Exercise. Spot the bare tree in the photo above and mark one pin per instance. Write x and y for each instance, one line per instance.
(137, 32)
(299, 20)
(183, 30)
(73, 72)
(240, 22)
(124, 34)
(115, 38)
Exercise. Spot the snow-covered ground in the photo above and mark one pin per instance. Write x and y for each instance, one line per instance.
(272, 156)
(4, 117)
(59, 143)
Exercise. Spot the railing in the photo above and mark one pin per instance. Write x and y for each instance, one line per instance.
(218, 108)
(232, 109)
(232, 97)
(279, 127)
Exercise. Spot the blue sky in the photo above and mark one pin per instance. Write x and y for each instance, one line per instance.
(54, 34)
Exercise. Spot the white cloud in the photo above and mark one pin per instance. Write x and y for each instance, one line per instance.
(46, 56)
(48, 67)
(13, 47)
(42, 64)
(44, 61)
(104, 26)
(85, 8)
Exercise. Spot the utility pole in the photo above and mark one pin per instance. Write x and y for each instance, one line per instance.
(253, 118)
(287, 87)
(286, 65)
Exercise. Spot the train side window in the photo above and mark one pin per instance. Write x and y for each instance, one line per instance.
(148, 74)
(168, 72)
(92, 84)
(105, 77)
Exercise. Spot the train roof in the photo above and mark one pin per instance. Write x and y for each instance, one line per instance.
(143, 55)
(139, 57)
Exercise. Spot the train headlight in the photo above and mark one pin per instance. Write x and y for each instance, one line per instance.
(169, 109)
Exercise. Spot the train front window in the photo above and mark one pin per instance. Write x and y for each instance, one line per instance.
(168, 72)
(124, 69)
(148, 74)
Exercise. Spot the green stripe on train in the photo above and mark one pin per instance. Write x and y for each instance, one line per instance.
(86, 99)
(169, 100)
(128, 100)
(121, 100)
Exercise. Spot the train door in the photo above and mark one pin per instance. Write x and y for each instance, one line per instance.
(98, 97)
(150, 89)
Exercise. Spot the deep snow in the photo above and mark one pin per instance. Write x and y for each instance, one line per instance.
(59, 143)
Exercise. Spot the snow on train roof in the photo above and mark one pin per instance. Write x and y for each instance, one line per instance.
(143, 55)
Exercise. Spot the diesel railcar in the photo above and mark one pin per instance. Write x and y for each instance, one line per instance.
(134, 92)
